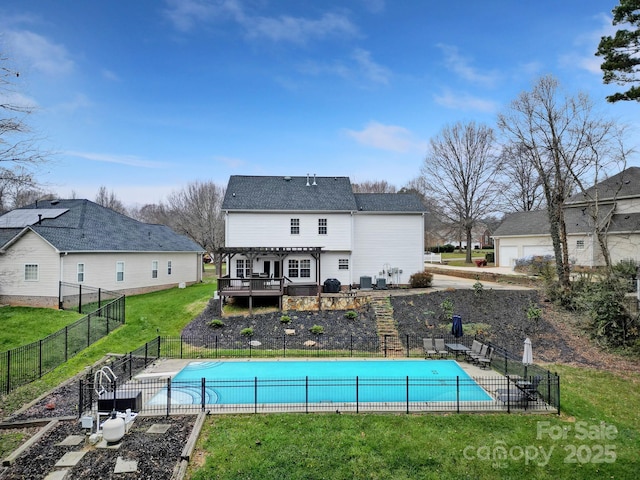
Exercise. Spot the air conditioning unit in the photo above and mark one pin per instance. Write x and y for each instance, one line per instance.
(381, 283)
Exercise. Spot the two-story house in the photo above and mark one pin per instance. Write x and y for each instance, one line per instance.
(297, 231)
(613, 205)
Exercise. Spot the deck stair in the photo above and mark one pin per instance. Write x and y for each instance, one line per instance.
(386, 327)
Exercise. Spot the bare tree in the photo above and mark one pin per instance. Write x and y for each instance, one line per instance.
(522, 189)
(460, 172)
(18, 151)
(196, 211)
(557, 133)
(373, 186)
(108, 199)
(152, 213)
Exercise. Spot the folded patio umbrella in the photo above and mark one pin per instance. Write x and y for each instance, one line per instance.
(456, 326)
(527, 355)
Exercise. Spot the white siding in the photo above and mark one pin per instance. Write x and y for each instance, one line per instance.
(100, 269)
(393, 240)
(274, 230)
(30, 249)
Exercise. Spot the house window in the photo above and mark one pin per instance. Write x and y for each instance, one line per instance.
(305, 268)
(31, 272)
(154, 269)
(243, 268)
(580, 244)
(322, 226)
(343, 264)
(294, 266)
(80, 272)
(295, 226)
(169, 267)
(119, 271)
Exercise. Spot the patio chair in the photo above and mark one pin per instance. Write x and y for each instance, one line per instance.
(474, 357)
(520, 395)
(440, 348)
(429, 350)
(485, 362)
(476, 346)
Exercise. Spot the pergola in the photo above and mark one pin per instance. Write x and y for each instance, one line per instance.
(259, 285)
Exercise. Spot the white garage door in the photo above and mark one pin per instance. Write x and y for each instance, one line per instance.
(508, 256)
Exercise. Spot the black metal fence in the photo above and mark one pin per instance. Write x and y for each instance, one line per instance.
(27, 363)
(502, 382)
(83, 298)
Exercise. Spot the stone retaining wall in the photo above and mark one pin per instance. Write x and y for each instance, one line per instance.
(328, 302)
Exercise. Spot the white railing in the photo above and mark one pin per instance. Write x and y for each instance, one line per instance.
(430, 257)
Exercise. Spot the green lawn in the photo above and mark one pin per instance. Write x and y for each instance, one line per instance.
(600, 418)
(23, 325)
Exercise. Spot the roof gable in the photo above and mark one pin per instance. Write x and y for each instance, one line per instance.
(625, 184)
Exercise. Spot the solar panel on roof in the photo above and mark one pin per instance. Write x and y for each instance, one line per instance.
(29, 216)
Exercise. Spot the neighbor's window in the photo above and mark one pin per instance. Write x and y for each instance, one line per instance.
(80, 271)
(243, 268)
(305, 268)
(322, 226)
(295, 226)
(294, 266)
(580, 244)
(31, 272)
(119, 271)
(154, 269)
(343, 264)
(169, 267)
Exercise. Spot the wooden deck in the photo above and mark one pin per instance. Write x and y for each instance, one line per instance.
(251, 287)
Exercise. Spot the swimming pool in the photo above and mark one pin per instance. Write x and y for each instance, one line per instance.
(278, 382)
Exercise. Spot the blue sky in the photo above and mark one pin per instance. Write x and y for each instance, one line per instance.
(145, 96)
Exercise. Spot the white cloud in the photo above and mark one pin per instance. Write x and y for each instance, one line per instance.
(359, 66)
(17, 100)
(129, 160)
(387, 137)
(187, 14)
(110, 75)
(463, 101)
(297, 29)
(232, 163)
(374, 6)
(80, 100)
(40, 53)
(461, 67)
(586, 45)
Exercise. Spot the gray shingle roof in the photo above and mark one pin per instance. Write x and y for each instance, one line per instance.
(389, 202)
(288, 193)
(87, 226)
(622, 185)
(309, 194)
(576, 220)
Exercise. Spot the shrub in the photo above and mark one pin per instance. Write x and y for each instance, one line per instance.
(447, 309)
(478, 287)
(216, 323)
(490, 257)
(421, 280)
(317, 329)
(247, 332)
(351, 315)
(285, 319)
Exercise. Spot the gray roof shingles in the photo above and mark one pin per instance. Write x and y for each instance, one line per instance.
(87, 226)
(325, 194)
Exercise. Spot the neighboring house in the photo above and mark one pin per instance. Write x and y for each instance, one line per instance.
(81, 242)
(526, 234)
(305, 230)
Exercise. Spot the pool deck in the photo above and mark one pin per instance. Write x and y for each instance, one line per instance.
(488, 379)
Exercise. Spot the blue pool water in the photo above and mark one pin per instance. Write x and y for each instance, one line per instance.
(243, 382)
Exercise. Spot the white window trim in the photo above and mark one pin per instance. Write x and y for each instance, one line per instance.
(154, 268)
(120, 271)
(37, 270)
(169, 267)
(80, 270)
(343, 264)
